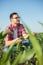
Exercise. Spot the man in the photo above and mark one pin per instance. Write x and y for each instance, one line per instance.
(17, 29)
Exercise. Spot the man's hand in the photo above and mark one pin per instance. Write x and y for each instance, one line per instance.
(18, 40)
(8, 43)
(25, 36)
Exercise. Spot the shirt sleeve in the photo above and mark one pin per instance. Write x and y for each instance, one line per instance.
(7, 37)
(23, 30)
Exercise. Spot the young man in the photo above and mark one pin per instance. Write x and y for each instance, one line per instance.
(17, 29)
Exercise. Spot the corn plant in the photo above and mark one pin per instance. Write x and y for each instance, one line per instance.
(23, 54)
(40, 23)
(36, 46)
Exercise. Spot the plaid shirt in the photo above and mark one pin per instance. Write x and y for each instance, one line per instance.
(20, 31)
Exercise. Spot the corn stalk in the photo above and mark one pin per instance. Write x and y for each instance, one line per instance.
(36, 46)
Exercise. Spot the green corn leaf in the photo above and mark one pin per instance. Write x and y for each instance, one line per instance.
(40, 23)
(36, 46)
(8, 62)
(4, 33)
(0, 35)
(27, 55)
(7, 54)
(23, 57)
(16, 61)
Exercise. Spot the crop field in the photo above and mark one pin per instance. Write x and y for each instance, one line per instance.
(22, 55)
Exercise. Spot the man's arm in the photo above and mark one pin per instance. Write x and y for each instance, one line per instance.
(9, 42)
(25, 35)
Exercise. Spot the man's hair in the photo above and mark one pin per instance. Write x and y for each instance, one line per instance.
(14, 13)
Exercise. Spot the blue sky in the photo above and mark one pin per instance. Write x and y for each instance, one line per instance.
(31, 11)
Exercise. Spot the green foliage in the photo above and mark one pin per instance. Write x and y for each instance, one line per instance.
(37, 48)
(4, 33)
(23, 54)
(40, 23)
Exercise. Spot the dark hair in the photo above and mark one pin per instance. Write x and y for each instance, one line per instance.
(14, 13)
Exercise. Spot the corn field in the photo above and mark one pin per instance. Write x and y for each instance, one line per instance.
(31, 55)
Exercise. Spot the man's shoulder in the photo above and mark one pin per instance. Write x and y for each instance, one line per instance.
(9, 27)
(21, 25)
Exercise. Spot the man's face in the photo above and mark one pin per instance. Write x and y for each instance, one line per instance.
(15, 19)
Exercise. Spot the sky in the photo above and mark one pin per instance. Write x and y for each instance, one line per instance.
(31, 12)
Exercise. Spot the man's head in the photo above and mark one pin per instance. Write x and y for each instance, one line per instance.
(14, 18)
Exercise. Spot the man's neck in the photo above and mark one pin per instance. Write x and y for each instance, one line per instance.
(15, 25)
